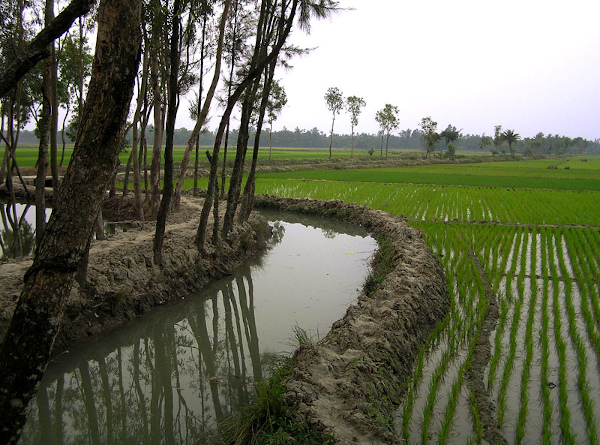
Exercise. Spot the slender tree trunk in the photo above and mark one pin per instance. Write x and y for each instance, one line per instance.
(387, 140)
(331, 134)
(135, 143)
(157, 142)
(62, 136)
(205, 108)
(352, 143)
(44, 129)
(30, 336)
(248, 197)
(127, 171)
(165, 203)
(54, 114)
(270, 138)
(201, 84)
(229, 88)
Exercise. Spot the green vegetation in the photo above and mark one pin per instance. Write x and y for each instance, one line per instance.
(267, 420)
(534, 229)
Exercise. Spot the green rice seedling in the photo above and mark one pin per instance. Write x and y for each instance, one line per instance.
(522, 416)
(453, 401)
(544, 382)
(565, 414)
(474, 410)
(587, 402)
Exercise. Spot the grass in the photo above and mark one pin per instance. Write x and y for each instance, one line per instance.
(268, 421)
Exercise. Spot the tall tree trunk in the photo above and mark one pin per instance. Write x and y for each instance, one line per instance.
(157, 140)
(229, 87)
(205, 108)
(248, 197)
(165, 203)
(28, 342)
(44, 129)
(54, 102)
(135, 143)
(201, 83)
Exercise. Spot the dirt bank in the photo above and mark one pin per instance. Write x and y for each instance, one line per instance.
(350, 383)
(123, 281)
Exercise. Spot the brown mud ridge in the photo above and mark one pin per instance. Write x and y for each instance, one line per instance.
(123, 282)
(350, 383)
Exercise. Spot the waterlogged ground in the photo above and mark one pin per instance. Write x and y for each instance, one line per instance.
(169, 376)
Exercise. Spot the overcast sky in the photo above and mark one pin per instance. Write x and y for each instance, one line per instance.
(528, 65)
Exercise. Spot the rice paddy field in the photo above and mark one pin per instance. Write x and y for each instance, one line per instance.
(517, 360)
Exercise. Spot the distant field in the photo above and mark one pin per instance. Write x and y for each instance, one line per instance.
(27, 154)
(515, 174)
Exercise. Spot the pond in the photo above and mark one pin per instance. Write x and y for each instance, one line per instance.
(171, 375)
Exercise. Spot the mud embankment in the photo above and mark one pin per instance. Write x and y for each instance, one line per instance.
(123, 281)
(350, 383)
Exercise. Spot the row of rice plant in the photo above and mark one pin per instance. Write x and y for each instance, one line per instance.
(425, 202)
(544, 368)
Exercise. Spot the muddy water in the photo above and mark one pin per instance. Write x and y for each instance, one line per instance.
(168, 377)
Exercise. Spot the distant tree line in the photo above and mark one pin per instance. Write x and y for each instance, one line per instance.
(541, 144)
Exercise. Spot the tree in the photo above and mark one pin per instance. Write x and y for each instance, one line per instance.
(172, 106)
(38, 48)
(498, 140)
(265, 52)
(450, 134)
(388, 121)
(354, 106)
(335, 104)
(510, 137)
(277, 100)
(429, 134)
(486, 141)
(201, 118)
(28, 343)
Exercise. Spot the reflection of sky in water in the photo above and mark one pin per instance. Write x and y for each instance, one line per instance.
(311, 279)
(168, 376)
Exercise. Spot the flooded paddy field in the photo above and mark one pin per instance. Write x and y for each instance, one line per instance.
(518, 358)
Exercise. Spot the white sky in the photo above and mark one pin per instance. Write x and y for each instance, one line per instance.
(528, 65)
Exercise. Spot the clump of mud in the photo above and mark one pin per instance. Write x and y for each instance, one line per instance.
(350, 383)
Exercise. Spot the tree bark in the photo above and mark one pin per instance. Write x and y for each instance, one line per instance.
(44, 129)
(165, 202)
(38, 48)
(54, 102)
(28, 342)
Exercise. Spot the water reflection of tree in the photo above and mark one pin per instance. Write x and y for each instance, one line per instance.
(170, 385)
(17, 235)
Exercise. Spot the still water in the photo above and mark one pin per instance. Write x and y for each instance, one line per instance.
(171, 375)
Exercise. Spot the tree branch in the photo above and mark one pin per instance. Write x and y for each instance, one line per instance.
(37, 49)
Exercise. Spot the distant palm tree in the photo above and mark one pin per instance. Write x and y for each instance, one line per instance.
(510, 137)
